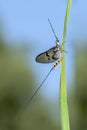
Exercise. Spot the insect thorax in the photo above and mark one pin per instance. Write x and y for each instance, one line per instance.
(57, 53)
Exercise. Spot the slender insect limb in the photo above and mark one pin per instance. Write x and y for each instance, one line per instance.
(39, 86)
(65, 51)
(63, 42)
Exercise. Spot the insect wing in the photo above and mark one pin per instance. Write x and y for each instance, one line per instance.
(47, 56)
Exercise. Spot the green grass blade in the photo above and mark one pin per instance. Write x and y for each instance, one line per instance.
(63, 93)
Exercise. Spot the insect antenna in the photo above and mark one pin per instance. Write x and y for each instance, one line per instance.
(39, 86)
(53, 30)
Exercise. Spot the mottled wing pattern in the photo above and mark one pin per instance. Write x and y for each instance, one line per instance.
(47, 56)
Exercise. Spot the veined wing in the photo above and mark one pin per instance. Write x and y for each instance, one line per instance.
(48, 56)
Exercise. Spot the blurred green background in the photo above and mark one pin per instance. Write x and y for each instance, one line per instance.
(15, 90)
(24, 33)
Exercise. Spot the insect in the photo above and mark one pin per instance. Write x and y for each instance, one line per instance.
(49, 56)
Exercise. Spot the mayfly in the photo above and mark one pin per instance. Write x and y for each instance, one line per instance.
(49, 56)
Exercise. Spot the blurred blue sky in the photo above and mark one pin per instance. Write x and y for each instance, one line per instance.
(28, 20)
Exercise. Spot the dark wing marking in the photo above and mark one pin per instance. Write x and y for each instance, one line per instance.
(47, 56)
